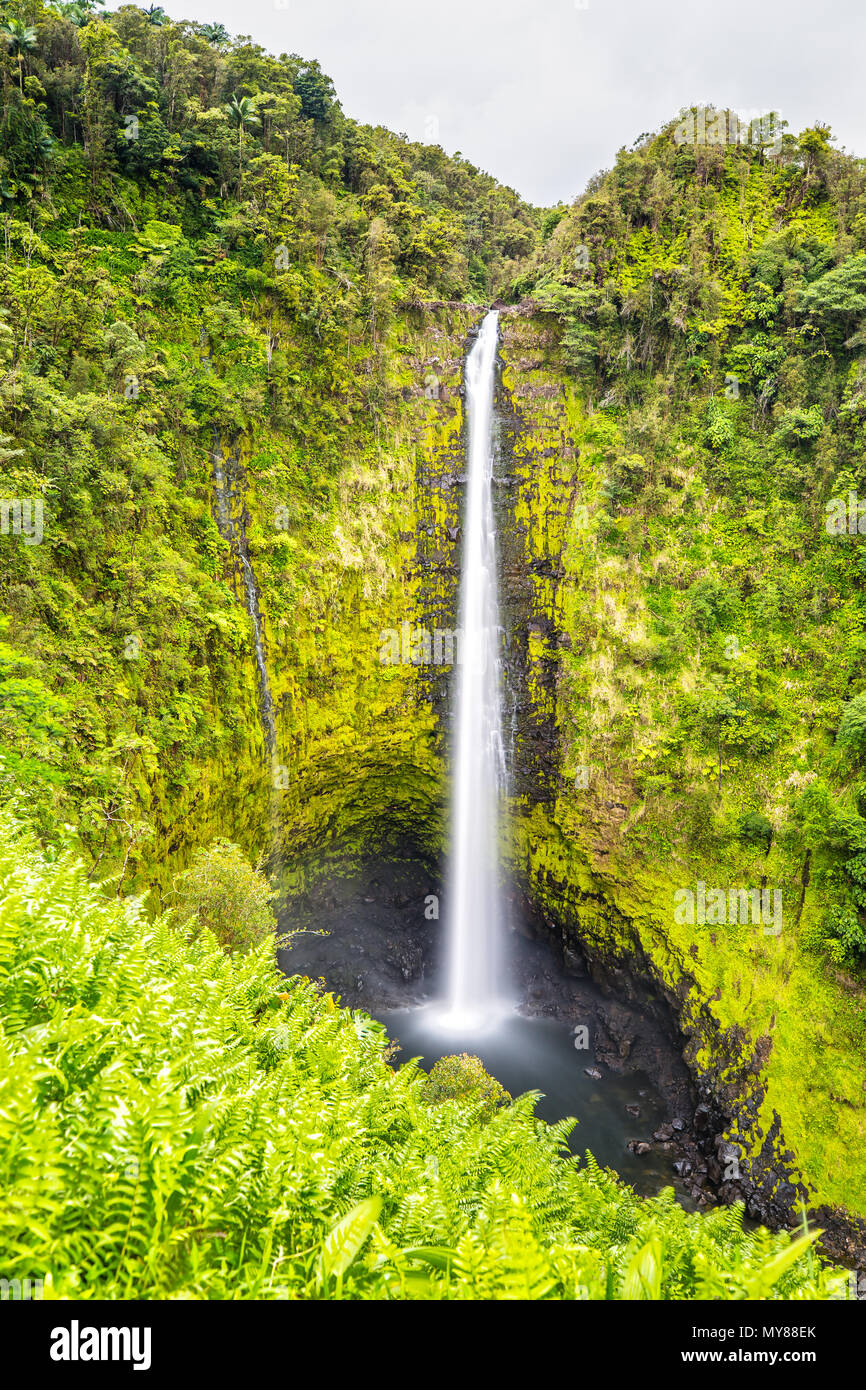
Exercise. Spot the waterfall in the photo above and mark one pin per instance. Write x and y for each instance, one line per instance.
(236, 536)
(474, 906)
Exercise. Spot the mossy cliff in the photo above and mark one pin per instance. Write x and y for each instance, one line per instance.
(359, 766)
(774, 1040)
(146, 731)
(356, 767)
(205, 332)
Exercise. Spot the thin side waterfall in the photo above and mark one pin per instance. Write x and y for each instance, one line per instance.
(475, 915)
(234, 534)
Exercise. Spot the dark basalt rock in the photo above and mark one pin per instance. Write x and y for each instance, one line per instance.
(573, 962)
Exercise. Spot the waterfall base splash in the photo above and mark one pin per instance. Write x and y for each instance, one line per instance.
(367, 935)
(463, 1022)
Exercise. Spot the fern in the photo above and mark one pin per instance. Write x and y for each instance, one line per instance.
(157, 1142)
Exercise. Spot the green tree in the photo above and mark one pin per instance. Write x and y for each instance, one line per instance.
(221, 891)
(78, 12)
(316, 91)
(837, 300)
(217, 34)
(100, 45)
(241, 111)
(21, 39)
(815, 144)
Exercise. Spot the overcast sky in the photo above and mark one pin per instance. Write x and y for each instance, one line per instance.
(542, 93)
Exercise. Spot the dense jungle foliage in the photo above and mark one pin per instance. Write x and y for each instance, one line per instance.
(180, 1122)
(198, 245)
(201, 251)
(713, 300)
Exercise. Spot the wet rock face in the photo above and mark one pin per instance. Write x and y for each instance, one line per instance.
(369, 935)
(530, 484)
(525, 486)
(728, 1157)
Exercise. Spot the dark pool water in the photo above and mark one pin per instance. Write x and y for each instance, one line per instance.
(368, 938)
(526, 1054)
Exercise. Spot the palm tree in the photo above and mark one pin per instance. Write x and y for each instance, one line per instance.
(78, 12)
(155, 14)
(217, 34)
(73, 11)
(242, 110)
(21, 39)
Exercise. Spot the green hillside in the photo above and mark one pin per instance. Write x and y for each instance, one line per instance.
(233, 323)
(711, 302)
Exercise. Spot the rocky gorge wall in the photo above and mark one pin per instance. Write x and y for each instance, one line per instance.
(359, 768)
(770, 1124)
(355, 768)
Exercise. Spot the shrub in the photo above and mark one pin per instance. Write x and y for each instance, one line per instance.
(755, 828)
(712, 603)
(838, 299)
(839, 935)
(799, 426)
(222, 892)
(463, 1077)
(719, 429)
(844, 927)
